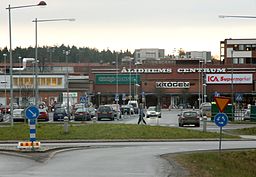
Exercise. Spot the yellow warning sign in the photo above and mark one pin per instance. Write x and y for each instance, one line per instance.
(222, 102)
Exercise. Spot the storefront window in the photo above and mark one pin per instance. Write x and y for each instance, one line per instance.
(59, 82)
(54, 81)
(48, 81)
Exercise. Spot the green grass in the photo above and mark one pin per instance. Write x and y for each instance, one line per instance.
(102, 131)
(225, 164)
(244, 131)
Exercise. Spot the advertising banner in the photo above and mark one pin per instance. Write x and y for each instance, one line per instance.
(229, 78)
(122, 79)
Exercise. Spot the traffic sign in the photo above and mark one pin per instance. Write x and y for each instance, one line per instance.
(222, 102)
(123, 97)
(221, 119)
(217, 94)
(83, 99)
(116, 97)
(32, 112)
(239, 97)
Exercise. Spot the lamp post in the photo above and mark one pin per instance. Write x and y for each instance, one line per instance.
(130, 81)
(36, 51)
(20, 59)
(41, 3)
(5, 55)
(66, 52)
(117, 94)
(199, 82)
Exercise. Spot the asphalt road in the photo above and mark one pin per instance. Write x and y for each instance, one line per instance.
(110, 160)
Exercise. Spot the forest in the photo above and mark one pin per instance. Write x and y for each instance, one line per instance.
(57, 54)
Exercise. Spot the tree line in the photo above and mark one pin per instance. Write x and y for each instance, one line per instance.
(57, 54)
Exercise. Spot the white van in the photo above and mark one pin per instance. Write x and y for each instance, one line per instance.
(135, 105)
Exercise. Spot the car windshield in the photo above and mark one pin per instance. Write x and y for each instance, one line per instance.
(189, 114)
(82, 110)
(152, 109)
(104, 109)
(133, 104)
(17, 111)
(60, 110)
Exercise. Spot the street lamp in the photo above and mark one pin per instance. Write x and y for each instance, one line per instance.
(66, 52)
(199, 82)
(20, 62)
(41, 3)
(117, 94)
(5, 82)
(36, 52)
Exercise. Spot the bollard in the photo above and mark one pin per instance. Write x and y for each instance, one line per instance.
(204, 123)
(94, 119)
(66, 124)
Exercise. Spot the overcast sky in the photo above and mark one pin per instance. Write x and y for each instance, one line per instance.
(130, 24)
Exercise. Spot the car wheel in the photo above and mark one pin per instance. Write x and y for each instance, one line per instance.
(197, 125)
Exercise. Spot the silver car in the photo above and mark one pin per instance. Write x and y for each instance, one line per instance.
(152, 111)
(18, 115)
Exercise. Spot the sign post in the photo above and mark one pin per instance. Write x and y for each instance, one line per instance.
(32, 113)
(221, 119)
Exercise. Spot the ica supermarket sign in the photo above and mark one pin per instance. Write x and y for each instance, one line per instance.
(229, 78)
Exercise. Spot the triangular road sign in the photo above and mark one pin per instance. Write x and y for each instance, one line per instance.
(222, 102)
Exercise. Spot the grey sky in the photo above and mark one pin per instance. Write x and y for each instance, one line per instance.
(130, 24)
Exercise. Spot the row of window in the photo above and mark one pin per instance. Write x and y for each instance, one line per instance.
(27, 82)
(244, 47)
(244, 60)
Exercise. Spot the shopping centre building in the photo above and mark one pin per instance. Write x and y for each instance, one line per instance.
(166, 81)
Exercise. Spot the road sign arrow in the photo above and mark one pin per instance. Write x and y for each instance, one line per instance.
(33, 114)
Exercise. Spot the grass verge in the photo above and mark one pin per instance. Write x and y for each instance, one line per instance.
(103, 131)
(244, 131)
(225, 164)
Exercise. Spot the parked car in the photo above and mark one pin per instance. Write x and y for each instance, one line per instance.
(184, 106)
(59, 114)
(116, 109)
(153, 111)
(135, 105)
(127, 109)
(105, 112)
(189, 117)
(92, 111)
(205, 109)
(43, 115)
(82, 114)
(1, 117)
(247, 114)
(18, 115)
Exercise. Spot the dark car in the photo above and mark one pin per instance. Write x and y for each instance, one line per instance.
(188, 118)
(59, 114)
(43, 115)
(1, 117)
(105, 112)
(82, 114)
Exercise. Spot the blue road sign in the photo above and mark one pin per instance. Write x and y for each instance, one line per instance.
(32, 112)
(123, 97)
(221, 119)
(116, 97)
(216, 94)
(239, 97)
(83, 99)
